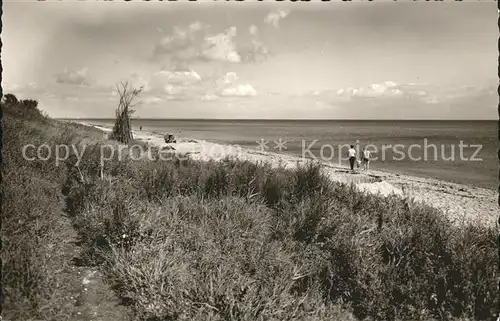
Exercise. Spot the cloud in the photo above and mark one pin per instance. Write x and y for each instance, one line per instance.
(171, 85)
(239, 90)
(384, 89)
(228, 85)
(177, 98)
(184, 77)
(188, 85)
(274, 17)
(161, 79)
(195, 26)
(172, 90)
(77, 77)
(410, 100)
(221, 47)
(254, 52)
(195, 43)
(226, 79)
(383, 92)
(181, 40)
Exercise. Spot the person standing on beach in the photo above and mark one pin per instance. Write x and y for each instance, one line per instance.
(352, 157)
(366, 159)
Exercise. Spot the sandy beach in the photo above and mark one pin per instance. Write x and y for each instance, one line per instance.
(461, 203)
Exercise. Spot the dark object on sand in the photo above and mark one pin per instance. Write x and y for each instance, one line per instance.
(169, 138)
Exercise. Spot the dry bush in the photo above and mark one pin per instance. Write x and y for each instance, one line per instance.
(122, 130)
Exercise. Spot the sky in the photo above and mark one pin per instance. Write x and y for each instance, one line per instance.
(344, 60)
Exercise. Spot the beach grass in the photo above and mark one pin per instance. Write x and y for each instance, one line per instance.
(230, 239)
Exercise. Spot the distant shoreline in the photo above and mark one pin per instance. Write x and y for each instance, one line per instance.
(284, 119)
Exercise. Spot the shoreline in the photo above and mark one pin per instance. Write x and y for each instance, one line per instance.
(461, 203)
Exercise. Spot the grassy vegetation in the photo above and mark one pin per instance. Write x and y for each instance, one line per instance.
(232, 240)
(35, 234)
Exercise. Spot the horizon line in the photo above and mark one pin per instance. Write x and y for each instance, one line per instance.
(282, 119)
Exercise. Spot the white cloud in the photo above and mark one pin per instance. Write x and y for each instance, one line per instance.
(384, 89)
(227, 79)
(274, 17)
(389, 99)
(195, 26)
(221, 47)
(179, 39)
(346, 92)
(183, 43)
(390, 84)
(185, 77)
(193, 42)
(177, 98)
(172, 90)
(239, 90)
(77, 77)
(254, 52)
(163, 78)
(189, 85)
(228, 85)
(177, 85)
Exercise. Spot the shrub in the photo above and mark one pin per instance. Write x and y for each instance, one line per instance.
(385, 257)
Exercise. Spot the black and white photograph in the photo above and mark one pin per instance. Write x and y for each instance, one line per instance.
(220, 160)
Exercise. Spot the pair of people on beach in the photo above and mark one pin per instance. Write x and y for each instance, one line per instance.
(365, 158)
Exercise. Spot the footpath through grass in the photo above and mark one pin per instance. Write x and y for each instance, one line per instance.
(37, 281)
(232, 240)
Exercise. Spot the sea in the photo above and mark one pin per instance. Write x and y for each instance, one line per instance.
(464, 152)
